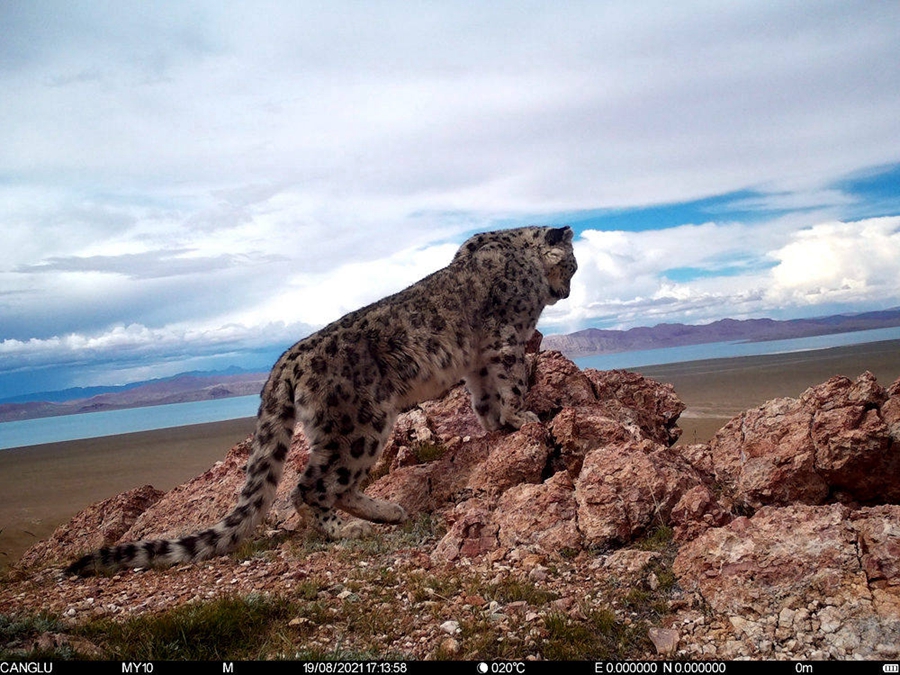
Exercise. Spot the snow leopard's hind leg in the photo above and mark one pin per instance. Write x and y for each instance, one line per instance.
(337, 464)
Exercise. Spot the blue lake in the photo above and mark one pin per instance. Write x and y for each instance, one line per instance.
(93, 425)
(111, 422)
(728, 350)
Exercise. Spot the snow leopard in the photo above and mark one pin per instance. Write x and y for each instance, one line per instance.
(346, 384)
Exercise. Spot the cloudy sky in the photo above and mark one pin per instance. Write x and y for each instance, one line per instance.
(192, 185)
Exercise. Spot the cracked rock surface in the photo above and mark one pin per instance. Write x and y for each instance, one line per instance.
(802, 580)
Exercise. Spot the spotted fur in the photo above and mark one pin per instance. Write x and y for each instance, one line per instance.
(346, 384)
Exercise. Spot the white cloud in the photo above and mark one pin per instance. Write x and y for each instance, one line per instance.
(183, 168)
(318, 299)
(839, 262)
(732, 270)
(538, 106)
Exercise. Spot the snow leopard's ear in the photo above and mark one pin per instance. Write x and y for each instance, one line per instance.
(559, 239)
(558, 235)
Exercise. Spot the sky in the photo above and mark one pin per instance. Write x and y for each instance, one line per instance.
(195, 185)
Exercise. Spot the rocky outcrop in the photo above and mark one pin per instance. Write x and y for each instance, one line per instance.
(96, 526)
(821, 580)
(809, 569)
(837, 442)
(598, 470)
(788, 521)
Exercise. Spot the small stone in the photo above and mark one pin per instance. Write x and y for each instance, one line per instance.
(786, 617)
(665, 640)
(450, 646)
(739, 623)
(538, 573)
(450, 627)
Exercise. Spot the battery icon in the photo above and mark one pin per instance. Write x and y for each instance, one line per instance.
(891, 667)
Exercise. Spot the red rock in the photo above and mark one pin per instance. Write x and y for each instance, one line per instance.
(519, 457)
(699, 456)
(890, 411)
(695, 512)
(410, 487)
(439, 484)
(625, 489)
(544, 515)
(656, 406)
(879, 547)
(833, 440)
(452, 416)
(834, 567)
(472, 532)
(557, 383)
(100, 524)
(578, 431)
(756, 563)
(765, 456)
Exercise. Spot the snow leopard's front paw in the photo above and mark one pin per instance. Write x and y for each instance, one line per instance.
(519, 419)
(356, 529)
(396, 515)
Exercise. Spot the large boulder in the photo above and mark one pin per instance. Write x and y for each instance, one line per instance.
(837, 441)
(625, 489)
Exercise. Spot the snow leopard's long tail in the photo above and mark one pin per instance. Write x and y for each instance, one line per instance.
(271, 442)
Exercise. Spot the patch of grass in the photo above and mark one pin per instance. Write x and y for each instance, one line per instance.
(659, 539)
(341, 654)
(482, 639)
(366, 625)
(653, 600)
(227, 628)
(667, 579)
(514, 590)
(600, 636)
(638, 599)
(380, 470)
(427, 587)
(429, 452)
(421, 528)
(18, 635)
(307, 590)
(414, 533)
(567, 553)
(259, 548)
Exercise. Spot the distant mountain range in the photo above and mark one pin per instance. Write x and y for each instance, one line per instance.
(205, 386)
(183, 388)
(595, 341)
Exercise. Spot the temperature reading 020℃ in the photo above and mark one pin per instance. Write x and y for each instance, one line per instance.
(501, 668)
